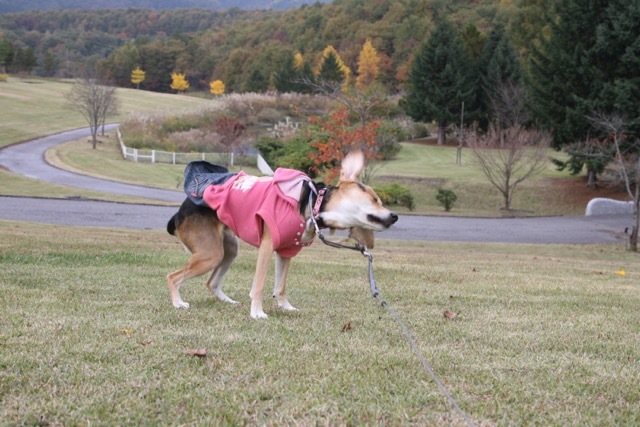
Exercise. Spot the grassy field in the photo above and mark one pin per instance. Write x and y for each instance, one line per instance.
(545, 335)
(35, 107)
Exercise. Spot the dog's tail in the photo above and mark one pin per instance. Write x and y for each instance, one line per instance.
(171, 225)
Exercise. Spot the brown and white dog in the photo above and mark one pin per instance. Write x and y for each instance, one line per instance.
(213, 245)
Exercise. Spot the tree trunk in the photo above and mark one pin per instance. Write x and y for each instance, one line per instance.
(592, 179)
(633, 239)
(442, 133)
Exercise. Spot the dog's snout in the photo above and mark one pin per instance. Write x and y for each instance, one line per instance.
(393, 218)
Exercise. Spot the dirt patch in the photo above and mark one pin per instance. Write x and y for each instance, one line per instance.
(574, 193)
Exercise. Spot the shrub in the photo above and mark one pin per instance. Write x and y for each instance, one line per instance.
(388, 137)
(446, 198)
(395, 194)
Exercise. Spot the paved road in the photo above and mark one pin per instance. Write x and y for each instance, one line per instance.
(28, 159)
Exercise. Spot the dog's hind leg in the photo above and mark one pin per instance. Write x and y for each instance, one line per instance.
(230, 243)
(279, 292)
(206, 247)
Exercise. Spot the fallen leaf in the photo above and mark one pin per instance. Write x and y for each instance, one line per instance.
(199, 352)
(127, 331)
(620, 272)
(346, 327)
(145, 343)
(450, 314)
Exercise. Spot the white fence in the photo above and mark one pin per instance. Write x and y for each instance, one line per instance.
(157, 156)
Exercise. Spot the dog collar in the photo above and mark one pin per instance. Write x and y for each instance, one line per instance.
(316, 208)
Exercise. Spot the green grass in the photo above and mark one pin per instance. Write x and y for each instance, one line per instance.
(545, 335)
(36, 107)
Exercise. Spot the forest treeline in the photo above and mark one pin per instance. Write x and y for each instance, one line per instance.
(12, 6)
(246, 49)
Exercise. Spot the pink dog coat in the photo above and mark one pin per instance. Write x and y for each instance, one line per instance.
(244, 203)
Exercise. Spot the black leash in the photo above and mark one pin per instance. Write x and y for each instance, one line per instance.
(376, 294)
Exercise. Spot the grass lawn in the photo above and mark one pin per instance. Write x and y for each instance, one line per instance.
(545, 335)
(34, 107)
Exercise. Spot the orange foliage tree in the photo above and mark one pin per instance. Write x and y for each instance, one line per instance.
(340, 137)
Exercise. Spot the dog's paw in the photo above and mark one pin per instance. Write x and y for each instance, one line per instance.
(285, 305)
(223, 297)
(259, 315)
(181, 304)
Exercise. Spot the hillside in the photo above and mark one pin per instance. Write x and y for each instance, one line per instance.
(11, 6)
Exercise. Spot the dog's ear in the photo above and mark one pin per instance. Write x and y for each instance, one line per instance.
(362, 236)
(352, 165)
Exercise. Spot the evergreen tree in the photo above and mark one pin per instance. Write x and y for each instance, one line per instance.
(256, 82)
(563, 70)
(589, 65)
(284, 78)
(618, 46)
(442, 77)
(330, 70)
(498, 68)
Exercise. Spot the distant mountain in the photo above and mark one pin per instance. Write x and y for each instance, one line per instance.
(13, 6)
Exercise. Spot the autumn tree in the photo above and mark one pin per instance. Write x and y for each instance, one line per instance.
(332, 68)
(336, 138)
(94, 101)
(216, 87)
(179, 82)
(137, 77)
(368, 69)
(507, 157)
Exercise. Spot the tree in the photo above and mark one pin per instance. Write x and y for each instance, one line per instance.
(94, 101)
(179, 82)
(588, 63)
(368, 69)
(336, 138)
(216, 87)
(507, 157)
(332, 68)
(627, 161)
(499, 71)
(137, 77)
(441, 78)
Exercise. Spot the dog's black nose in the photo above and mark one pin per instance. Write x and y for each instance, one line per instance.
(393, 217)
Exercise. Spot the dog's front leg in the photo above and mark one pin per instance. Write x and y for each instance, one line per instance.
(279, 292)
(262, 267)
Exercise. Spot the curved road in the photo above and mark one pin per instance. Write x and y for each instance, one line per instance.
(28, 159)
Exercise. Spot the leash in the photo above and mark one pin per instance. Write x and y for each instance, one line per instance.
(313, 212)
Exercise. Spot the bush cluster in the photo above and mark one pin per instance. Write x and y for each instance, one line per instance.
(395, 194)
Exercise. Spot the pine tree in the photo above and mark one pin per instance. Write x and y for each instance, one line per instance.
(587, 66)
(332, 68)
(499, 68)
(442, 77)
(563, 71)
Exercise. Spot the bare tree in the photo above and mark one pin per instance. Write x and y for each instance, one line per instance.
(508, 105)
(627, 161)
(509, 156)
(94, 101)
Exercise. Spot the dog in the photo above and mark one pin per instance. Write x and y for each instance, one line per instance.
(210, 230)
